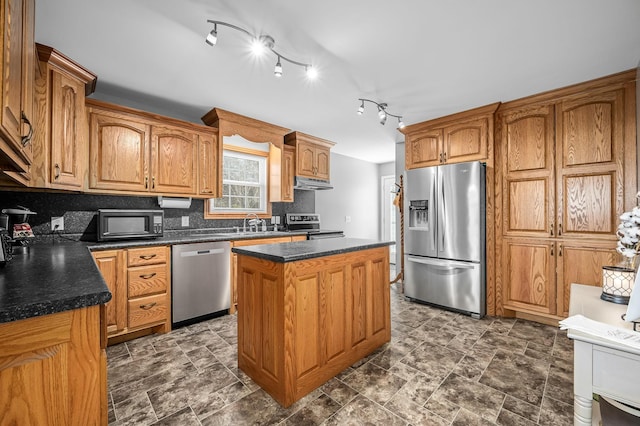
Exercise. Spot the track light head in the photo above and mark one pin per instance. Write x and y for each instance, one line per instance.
(312, 72)
(212, 37)
(278, 69)
(361, 108)
(400, 123)
(382, 115)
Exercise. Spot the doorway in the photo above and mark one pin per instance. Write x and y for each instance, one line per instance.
(389, 213)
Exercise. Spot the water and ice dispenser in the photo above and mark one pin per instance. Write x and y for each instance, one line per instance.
(419, 214)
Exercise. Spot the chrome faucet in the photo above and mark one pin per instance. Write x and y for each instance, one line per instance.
(255, 221)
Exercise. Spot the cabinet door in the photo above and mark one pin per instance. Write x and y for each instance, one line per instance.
(528, 185)
(16, 88)
(208, 165)
(424, 148)
(174, 159)
(288, 172)
(118, 153)
(67, 139)
(51, 371)
(581, 263)
(590, 173)
(306, 159)
(466, 141)
(322, 161)
(112, 266)
(529, 271)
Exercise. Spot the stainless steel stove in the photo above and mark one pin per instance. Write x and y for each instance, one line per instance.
(310, 222)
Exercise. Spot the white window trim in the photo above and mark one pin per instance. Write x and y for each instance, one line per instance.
(264, 183)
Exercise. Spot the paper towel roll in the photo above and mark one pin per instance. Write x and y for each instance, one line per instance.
(174, 202)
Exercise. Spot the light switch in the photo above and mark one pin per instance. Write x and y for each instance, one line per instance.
(185, 221)
(347, 219)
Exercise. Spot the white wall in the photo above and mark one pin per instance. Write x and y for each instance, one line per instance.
(355, 193)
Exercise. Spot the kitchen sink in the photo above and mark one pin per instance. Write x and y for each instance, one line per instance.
(239, 234)
(252, 233)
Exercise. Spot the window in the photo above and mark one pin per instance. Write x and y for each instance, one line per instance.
(244, 183)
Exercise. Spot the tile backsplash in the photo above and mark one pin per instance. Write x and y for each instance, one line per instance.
(79, 211)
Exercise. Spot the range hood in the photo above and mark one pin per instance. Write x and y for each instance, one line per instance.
(311, 184)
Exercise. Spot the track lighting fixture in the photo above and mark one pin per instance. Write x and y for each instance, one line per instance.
(259, 44)
(382, 112)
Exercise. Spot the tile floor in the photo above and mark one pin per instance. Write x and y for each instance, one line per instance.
(440, 368)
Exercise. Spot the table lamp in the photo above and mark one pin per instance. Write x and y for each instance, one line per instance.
(617, 284)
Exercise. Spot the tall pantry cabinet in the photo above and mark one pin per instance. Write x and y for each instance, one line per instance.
(566, 171)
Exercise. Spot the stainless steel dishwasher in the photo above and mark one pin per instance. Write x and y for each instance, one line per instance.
(200, 281)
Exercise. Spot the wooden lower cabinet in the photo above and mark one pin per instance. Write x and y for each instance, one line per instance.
(529, 268)
(139, 280)
(301, 323)
(53, 370)
(539, 273)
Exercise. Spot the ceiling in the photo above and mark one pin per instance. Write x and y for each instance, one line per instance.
(424, 58)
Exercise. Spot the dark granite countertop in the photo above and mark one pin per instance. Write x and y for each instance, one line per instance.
(50, 278)
(61, 275)
(302, 250)
(199, 236)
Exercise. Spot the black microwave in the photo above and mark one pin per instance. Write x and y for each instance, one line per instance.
(123, 224)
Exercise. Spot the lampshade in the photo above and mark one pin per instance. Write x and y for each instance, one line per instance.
(617, 283)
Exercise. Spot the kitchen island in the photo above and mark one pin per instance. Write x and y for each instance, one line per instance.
(307, 310)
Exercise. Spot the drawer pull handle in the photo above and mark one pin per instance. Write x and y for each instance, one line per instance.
(148, 305)
(147, 256)
(56, 168)
(147, 276)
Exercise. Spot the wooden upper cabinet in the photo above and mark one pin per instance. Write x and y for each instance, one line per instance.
(424, 148)
(137, 152)
(313, 155)
(590, 173)
(466, 141)
(118, 152)
(16, 93)
(466, 136)
(174, 154)
(288, 172)
(61, 139)
(528, 184)
(208, 165)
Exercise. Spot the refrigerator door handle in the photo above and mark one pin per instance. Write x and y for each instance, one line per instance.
(448, 265)
(443, 211)
(434, 227)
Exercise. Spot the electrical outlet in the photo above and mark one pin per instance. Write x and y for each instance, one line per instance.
(57, 223)
(347, 219)
(185, 221)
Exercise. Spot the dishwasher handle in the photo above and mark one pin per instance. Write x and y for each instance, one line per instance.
(209, 252)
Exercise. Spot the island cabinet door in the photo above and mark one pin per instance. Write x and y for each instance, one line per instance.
(50, 370)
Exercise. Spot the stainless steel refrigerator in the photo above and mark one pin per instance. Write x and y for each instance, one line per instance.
(445, 238)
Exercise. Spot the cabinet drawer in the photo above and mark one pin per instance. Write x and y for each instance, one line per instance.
(147, 256)
(145, 280)
(148, 310)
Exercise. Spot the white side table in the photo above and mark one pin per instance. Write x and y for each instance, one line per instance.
(601, 366)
